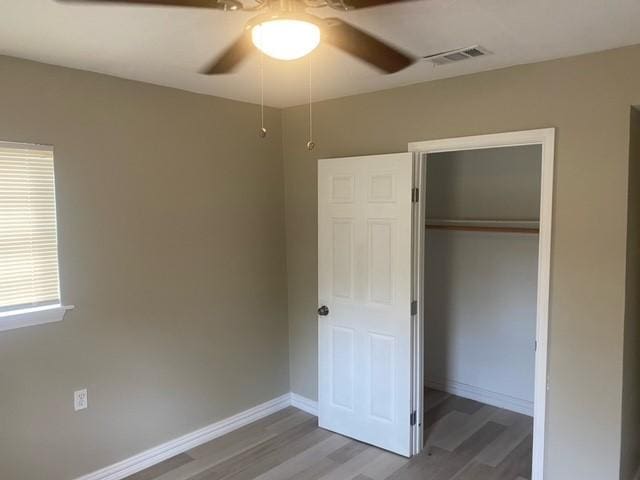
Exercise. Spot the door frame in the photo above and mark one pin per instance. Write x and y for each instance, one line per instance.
(546, 138)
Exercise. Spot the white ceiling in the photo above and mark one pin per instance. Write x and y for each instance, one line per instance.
(168, 45)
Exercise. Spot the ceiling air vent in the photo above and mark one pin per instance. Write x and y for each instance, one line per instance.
(452, 56)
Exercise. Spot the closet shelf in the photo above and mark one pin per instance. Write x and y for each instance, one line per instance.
(499, 226)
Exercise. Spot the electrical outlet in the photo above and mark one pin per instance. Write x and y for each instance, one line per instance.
(80, 400)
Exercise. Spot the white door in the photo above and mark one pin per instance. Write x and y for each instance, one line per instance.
(364, 292)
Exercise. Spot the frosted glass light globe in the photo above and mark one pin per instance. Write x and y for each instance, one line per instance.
(285, 39)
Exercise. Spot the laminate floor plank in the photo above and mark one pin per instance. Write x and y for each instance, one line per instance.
(464, 440)
(433, 398)
(416, 468)
(517, 463)
(455, 437)
(266, 427)
(348, 451)
(501, 447)
(234, 443)
(158, 469)
(384, 465)
(438, 433)
(300, 462)
(476, 471)
(507, 417)
(354, 466)
(278, 455)
(451, 404)
(254, 455)
(279, 450)
(316, 470)
(465, 453)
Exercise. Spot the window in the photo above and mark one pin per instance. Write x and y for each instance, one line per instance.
(29, 280)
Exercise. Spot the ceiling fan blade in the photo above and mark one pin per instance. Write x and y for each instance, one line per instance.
(231, 57)
(360, 44)
(171, 3)
(358, 4)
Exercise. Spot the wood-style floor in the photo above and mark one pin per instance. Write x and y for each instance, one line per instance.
(465, 440)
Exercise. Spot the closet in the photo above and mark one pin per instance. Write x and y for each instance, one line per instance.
(481, 264)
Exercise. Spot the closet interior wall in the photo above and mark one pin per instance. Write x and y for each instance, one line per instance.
(480, 286)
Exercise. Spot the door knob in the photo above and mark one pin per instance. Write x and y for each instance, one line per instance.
(323, 311)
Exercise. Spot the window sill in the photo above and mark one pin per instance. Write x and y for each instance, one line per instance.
(32, 316)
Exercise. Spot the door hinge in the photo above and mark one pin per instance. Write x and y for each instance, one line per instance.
(413, 418)
(414, 307)
(535, 346)
(415, 195)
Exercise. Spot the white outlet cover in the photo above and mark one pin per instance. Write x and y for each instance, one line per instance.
(80, 400)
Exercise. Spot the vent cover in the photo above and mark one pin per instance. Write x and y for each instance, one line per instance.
(452, 56)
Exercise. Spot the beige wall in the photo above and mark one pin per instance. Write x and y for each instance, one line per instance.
(630, 455)
(587, 98)
(172, 249)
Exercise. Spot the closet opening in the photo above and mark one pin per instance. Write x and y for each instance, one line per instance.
(481, 281)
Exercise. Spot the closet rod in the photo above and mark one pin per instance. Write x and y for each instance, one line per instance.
(473, 228)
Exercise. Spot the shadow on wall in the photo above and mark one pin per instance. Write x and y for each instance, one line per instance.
(630, 451)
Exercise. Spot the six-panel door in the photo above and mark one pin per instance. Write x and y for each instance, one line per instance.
(364, 279)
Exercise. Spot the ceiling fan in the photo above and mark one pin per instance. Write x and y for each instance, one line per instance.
(285, 31)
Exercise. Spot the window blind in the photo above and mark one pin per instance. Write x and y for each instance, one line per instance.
(28, 237)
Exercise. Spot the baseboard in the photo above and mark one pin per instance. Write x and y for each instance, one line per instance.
(305, 404)
(150, 457)
(482, 395)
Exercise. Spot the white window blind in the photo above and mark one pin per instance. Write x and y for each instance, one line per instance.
(28, 238)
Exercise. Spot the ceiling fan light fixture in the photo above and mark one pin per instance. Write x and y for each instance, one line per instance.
(285, 38)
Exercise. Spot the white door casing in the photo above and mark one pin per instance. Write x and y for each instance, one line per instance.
(365, 280)
(546, 138)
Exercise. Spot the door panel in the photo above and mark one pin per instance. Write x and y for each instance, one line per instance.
(364, 278)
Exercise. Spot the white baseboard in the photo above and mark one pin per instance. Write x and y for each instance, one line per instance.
(150, 457)
(482, 395)
(305, 404)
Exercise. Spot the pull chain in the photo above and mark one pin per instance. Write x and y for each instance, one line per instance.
(263, 131)
(310, 144)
